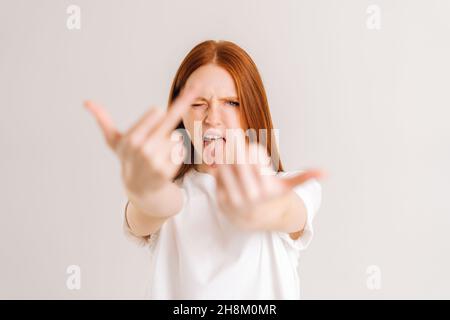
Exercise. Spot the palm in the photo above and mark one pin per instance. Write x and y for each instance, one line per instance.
(245, 190)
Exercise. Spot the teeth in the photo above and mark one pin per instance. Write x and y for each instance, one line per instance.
(211, 137)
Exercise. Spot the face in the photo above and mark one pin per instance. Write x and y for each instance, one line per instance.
(215, 110)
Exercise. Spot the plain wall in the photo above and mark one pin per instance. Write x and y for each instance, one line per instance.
(372, 107)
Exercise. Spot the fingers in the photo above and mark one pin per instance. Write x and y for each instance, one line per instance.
(302, 178)
(173, 154)
(230, 185)
(140, 130)
(177, 110)
(137, 136)
(243, 180)
(239, 182)
(138, 133)
(247, 181)
(112, 135)
(178, 150)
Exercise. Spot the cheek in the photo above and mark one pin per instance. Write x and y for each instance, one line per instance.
(197, 114)
(236, 120)
(190, 118)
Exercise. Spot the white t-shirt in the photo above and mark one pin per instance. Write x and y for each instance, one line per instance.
(199, 254)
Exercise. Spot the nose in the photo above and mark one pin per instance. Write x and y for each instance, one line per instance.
(213, 117)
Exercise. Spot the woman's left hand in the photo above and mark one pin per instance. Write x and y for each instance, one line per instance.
(251, 194)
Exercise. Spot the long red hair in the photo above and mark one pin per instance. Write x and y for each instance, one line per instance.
(250, 89)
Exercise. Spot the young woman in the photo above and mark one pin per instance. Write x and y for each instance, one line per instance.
(216, 229)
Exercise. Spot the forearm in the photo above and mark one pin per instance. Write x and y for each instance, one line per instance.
(145, 216)
(293, 219)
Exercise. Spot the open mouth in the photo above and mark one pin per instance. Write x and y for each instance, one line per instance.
(213, 142)
(210, 137)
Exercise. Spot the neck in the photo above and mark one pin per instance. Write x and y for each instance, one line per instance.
(204, 168)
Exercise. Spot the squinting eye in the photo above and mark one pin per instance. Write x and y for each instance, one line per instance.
(233, 103)
(198, 104)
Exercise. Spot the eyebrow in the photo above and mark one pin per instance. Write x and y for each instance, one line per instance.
(229, 98)
(223, 98)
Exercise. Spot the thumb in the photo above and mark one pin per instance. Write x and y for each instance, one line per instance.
(292, 182)
(112, 135)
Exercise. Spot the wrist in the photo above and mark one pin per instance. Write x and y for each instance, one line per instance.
(271, 213)
(156, 203)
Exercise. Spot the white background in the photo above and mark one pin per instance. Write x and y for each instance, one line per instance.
(369, 106)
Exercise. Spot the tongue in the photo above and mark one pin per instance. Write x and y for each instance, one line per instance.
(210, 155)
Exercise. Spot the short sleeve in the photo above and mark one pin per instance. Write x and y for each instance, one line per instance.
(311, 194)
(150, 240)
(142, 241)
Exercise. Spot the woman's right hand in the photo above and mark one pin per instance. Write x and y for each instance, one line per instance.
(146, 151)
